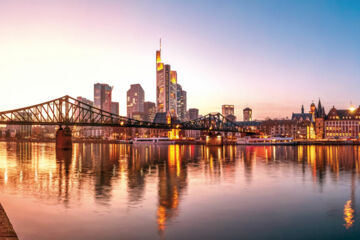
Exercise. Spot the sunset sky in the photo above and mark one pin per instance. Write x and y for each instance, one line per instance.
(269, 55)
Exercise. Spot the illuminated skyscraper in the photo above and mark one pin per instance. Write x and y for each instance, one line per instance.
(166, 87)
(135, 100)
(102, 96)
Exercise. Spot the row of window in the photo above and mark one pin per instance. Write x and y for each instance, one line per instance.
(343, 123)
(341, 135)
(344, 128)
(344, 117)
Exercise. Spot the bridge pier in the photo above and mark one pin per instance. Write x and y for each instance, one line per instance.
(214, 140)
(63, 138)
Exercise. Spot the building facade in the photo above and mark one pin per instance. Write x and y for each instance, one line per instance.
(181, 103)
(342, 123)
(286, 128)
(247, 115)
(320, 117)
(135, 100)
(102, 96)
(227, 109)
(115, 108)
(149, 111)
(193, 113)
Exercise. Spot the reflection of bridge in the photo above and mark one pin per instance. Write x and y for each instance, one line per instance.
(68, 111)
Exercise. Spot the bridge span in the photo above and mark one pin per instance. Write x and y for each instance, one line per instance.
(67, 111)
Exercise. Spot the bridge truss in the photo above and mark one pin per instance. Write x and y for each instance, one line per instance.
(72, 112)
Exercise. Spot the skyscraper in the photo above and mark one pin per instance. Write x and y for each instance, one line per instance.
(166, 87)
(135, 100)
(102, 96)
(247, 114)
(227, 110)
(115, 108)
(181, 103)
(193, 113)
(149, 111)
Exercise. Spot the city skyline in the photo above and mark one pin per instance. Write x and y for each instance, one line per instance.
(266, 63)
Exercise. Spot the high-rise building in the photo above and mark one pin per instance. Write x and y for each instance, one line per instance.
(135, 100)
(227, 110)
(193, 113)
(115, 108)
(149, 111)
(181, 103)
(247, 114)
(102, 96)
(173, 93)
(166, 87)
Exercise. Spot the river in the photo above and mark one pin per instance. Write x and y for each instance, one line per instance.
(115, 191)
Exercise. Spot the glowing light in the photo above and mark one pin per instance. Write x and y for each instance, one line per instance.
(348, 214)
(173, 77)
(352, 108)
(158, 56)
(160, 66)
(161, 218)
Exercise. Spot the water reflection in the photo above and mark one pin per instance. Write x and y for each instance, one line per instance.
(108, 173)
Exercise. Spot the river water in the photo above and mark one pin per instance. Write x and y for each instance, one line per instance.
(112, 191)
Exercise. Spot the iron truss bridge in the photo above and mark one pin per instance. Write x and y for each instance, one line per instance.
(72, 112)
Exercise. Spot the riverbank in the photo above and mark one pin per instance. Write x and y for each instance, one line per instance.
(198, 142)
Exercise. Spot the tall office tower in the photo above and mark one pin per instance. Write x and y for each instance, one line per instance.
(160, 83)
(173, 93)
(102, 96)
(184, 104)
(247, 114)
(149, 111)
(181, 103)
(193, 113)
(115, 108)
(135, 100)
(227, 109)
(166, 86)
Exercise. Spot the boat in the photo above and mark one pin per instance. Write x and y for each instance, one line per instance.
(265, 141)
(155, 140)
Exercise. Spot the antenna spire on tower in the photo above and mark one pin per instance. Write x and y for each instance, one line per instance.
(160, 44)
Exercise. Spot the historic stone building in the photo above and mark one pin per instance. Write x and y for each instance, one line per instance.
(342, 123)
(315, 117)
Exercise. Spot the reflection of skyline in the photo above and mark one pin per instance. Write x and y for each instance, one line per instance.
(106, 172)
(172, 175)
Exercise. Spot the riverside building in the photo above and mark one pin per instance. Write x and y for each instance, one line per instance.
(342, 123)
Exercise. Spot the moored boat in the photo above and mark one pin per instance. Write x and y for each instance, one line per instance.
(155, 140)
(265, 141)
